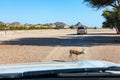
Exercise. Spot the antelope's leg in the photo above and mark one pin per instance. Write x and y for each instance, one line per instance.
(70, 56)
(76, 57)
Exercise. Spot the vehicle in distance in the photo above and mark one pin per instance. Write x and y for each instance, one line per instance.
(81, 30)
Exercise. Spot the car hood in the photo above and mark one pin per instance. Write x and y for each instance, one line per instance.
(41, 66)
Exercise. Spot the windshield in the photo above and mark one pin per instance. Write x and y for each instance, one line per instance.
(46, 31)
(80, 27)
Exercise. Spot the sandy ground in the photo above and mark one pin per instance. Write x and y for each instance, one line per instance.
(54, 45)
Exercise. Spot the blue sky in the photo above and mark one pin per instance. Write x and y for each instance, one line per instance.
(50, 11)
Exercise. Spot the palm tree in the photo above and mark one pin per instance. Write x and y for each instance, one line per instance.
(104, 3)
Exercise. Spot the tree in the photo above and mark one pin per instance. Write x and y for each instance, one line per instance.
(111, 19)
(72, 27)
(3, 27)
(104, 3)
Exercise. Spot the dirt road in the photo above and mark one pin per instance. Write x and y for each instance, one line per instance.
(54, 45)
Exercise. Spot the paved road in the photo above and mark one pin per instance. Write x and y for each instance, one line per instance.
(54, 45)
(98, 46)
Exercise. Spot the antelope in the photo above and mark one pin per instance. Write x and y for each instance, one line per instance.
(76, 52)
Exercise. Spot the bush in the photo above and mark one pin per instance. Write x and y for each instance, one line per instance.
(95, 27)
(22, 28)
(12, 28)
(32, 27)
(72, 27)
(17, 28)
(26, 28)
(2, 27)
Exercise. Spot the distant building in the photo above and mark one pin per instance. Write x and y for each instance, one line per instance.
(52, 25)
(60, 25)
(66, 26)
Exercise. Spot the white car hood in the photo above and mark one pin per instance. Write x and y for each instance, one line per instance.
(41, 66)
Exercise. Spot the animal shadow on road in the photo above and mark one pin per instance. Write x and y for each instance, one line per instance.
(59, 61)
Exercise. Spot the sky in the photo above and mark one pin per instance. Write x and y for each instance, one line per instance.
(50, 11)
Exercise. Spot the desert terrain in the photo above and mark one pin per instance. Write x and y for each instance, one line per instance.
(54, 45)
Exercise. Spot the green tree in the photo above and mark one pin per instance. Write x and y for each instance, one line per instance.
(3, 27)
(111, 19)
(72, 27)
(109, 15)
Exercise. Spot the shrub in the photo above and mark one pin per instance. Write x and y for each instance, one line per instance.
(72, 27)
(17, 28)
(32, 27)
(2, 27)
(26, 28)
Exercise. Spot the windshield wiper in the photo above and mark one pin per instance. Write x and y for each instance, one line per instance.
(76, 72)
(11, 75)
(111, 71)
